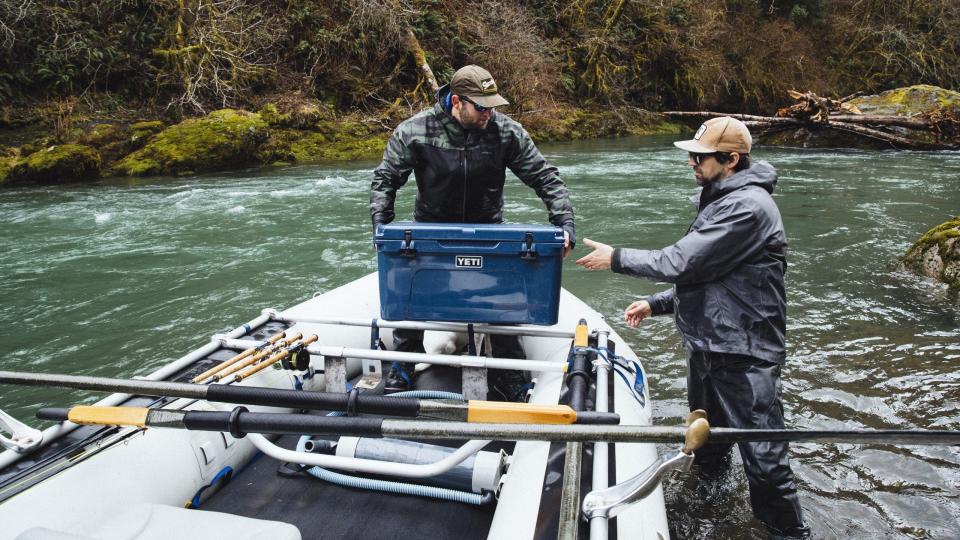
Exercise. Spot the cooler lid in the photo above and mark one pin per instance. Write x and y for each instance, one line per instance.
(498, 232)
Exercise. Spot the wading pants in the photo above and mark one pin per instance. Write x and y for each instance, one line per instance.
(744, 392)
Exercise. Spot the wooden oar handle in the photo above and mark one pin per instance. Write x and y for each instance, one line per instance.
(89, 415)
(499, 412)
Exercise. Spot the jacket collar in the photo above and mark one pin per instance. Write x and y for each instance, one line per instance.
(760, 174)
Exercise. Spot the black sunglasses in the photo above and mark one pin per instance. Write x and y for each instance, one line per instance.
(479, 108)
(698, 158)
(721, 157)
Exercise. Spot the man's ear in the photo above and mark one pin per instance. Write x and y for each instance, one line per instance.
(734, 159)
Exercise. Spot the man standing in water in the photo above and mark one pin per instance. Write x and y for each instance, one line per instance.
(729, 303)
(459, 151)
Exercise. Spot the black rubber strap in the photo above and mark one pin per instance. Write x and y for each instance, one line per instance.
(234, 422)
(352, 401)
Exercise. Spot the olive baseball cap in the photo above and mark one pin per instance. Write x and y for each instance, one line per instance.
(721, 134)
(478, 85)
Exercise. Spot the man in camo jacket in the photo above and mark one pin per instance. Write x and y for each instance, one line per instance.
(459, 151)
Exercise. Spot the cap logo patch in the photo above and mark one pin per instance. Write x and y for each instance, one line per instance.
(700, 131)
(489, 86)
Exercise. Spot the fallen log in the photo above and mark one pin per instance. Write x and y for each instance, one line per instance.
(855, 124)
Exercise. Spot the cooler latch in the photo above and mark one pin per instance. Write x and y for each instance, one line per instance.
(406, 248)
(530, 249)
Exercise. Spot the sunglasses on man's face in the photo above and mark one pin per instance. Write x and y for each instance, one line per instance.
(698, 158)
(479, 108)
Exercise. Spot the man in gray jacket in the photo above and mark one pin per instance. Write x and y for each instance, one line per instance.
(729, 304)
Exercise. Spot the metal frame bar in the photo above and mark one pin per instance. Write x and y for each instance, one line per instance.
(416, 325)
(437, 359)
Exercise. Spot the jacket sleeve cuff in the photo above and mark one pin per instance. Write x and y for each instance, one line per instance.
(570, 230)
(615, 261)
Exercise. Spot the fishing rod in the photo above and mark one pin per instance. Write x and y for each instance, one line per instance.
(227, 363)
(351, 403)
(240, 421)
(230, 370)
(297, 351)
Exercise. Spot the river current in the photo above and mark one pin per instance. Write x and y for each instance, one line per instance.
(119, 278)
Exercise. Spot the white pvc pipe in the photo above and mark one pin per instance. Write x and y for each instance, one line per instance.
(599, 525)
(438, 359)
(52, 433)
(417, 325)
(388, 468)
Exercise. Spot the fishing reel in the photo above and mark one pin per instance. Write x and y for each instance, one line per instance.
(298, 360)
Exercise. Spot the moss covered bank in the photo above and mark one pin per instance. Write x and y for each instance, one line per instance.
(276, 135)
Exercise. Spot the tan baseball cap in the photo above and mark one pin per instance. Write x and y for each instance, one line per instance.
(721, 134)
(478, 85)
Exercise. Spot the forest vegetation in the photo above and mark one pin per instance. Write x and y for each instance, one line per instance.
(182, 58)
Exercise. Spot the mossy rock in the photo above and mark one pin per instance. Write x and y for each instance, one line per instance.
(343, 147)
(222, 140)
(62, 164)
(143, 130)
(937, 254)
(909, 101)
(568, 123)
(8, 158)
(103, 134)
(297, 115)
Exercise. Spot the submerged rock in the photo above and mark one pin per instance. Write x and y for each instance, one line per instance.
(937, 254)
(222, 140)
(61, 164)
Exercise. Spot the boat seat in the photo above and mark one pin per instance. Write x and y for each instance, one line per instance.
(162, 522)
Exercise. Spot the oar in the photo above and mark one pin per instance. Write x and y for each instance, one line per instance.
(471, 411)
(239, 422)
(227, 363)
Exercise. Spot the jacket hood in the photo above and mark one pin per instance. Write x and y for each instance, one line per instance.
(760, 174)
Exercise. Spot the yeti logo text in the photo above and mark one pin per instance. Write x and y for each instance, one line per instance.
(469, 261)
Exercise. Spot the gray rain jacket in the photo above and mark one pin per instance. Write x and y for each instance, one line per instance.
(728, 294)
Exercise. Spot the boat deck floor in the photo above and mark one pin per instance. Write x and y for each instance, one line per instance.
(266, 489)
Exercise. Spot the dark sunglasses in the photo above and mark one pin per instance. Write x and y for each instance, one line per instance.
(479, 108)
(721, 157)
(698, 158)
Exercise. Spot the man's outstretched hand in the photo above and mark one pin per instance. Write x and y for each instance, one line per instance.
(599, 258)
(637, 312)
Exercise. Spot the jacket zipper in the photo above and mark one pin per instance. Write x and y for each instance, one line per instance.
(463, 163)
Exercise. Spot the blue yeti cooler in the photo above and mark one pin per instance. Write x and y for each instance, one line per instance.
(481, 273)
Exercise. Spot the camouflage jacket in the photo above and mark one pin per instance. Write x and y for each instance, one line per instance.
(460, 174)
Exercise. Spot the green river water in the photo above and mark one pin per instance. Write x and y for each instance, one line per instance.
(120, 278)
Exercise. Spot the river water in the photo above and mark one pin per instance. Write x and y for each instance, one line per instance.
(120, 278)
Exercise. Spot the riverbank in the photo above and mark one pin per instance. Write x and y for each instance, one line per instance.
(48, 147)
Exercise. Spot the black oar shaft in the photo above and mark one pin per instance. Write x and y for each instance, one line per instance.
(247, 395)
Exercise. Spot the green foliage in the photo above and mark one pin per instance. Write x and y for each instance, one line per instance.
(191, 56)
